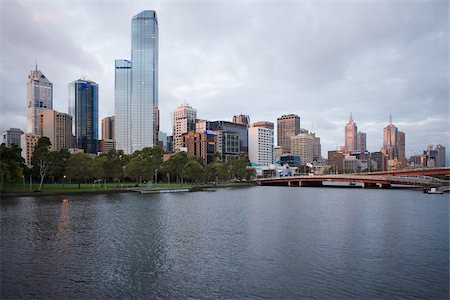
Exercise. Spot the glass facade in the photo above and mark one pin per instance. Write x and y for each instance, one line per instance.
(39, 97)
(83, 107)
(122, 107)
(144, 79)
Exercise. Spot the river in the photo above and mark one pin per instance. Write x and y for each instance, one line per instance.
(254, 242)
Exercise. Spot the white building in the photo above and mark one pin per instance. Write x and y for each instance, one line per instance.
(183, 121)
(303, 146)
(260, 145)
(12, 137)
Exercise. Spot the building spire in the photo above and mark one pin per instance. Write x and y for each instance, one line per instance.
(351, 117)
(35, 63)
(390, 118)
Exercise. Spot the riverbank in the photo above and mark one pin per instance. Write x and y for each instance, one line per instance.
(71, 189)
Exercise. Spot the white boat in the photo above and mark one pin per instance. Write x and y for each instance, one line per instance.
(434, 191)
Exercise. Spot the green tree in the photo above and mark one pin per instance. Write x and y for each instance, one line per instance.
(58, 163)
(11, 164)
(116, 161)
(237, 167)
(174, 165)
(80, 167)
(193, 171)
(99, 167)
(42, 158)
(136, 169)
(217, 172)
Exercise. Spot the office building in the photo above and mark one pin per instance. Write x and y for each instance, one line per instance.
(228, 145)
(264, 124)
(241, 119)
(108, 128)
(57, 127)
(287, 126)
(302, 145)
(361, 144)
(317, 147)
(290, 160)
(219, 127)
(83, 107)
(39, 97)
(402, 148)
(183, 118)
(378, 160)
(122, 105)
(106, 145)
(136, 98)
(440, 159)
(200, 145)
(261, 144)
(12, 137)
(28, 142)
(169, 143)
(350, 135)
(390, 140)
(336, 161)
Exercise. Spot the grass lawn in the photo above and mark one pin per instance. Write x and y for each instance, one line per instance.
(59, 187)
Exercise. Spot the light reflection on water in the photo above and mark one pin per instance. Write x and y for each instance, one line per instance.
(274, 242)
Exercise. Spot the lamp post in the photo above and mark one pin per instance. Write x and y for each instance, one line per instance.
(64, 180)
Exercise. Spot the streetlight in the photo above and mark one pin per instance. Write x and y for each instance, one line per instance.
(64, 180)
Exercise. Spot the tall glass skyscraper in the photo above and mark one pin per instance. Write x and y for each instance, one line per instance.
(122, 107)
(137, 115)
(39, 97)
(83, 107)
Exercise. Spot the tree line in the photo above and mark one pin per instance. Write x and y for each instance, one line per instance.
(115, 166)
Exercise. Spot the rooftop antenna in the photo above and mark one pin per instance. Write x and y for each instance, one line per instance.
(35, 62)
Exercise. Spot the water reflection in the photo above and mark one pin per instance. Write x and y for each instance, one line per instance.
(64, 217)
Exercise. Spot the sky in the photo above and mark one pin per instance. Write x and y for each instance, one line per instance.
(318, 59)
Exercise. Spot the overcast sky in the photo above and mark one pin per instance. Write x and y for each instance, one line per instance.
(318, 59)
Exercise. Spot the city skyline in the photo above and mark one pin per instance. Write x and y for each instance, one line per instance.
(216, 74)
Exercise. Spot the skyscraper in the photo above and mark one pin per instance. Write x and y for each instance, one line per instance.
(350, 135)
(57, 127)
(122, 105)
(261, 143)
(108, 128)
(39, 97)
(144, 80)
(83, 107)
(241, 119)
(287, 126)
(361, 143)
(402, 148)
(183, 118)
(390, 140)
(303, 146)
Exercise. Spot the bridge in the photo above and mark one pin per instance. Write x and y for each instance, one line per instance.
(368, 180)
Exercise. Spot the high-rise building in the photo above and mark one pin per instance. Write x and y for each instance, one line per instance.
(28, 142)
(144, 79)
(39, 97)
(264, 124)
(200, 145)
(317, 147)
(302, 145)
(108, 128)
(57, 127)
(287, 126)
(440, 157)
(136, 112)
(402, 148)
(390, 140)
(261, 144)
(361, 144)
(12, 137)
(241, 119)
(225, 126)
(183, 118)
(336, 161)
(350, 136)
(83, 107)
(122, 105)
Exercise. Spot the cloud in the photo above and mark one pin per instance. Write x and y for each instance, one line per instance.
(320, 60)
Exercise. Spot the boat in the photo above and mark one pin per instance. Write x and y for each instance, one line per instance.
(434, 191)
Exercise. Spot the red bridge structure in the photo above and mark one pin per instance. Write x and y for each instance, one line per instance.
(412, 177)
